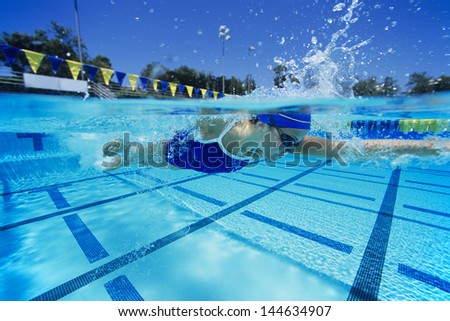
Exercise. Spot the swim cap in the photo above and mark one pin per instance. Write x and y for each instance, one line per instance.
(297, 121)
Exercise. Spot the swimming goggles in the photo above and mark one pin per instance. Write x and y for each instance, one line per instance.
(287, 140)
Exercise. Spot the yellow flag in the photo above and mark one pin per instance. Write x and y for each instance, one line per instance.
(75, 68)
(34, 59)
(203, 91)
(107, 74)
(133, 79)
(189, 90)
(155, 84)
(215, 94)
(173, 88)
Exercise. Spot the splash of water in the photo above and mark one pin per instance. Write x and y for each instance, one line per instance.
(327, 72)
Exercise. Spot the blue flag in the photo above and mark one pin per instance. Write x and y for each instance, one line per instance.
(164, 85)
(144, 82)
(55, 62)
(181, 88)
(91, 70)
(120, 76)
(10, 53)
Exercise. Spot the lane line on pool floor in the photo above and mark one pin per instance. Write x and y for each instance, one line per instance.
(339, 246)
(367, 210)
(97, 203)
(200, 196)
(366, 284)
(87, 241)
(84, 279)
(121, 289)
(65, 184)
(427, 278)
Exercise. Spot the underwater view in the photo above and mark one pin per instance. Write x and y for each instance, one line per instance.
(321, 177)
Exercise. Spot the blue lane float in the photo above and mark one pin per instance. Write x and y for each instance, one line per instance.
(416, 129)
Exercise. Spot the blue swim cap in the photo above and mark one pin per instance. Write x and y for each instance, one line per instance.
(297, 121)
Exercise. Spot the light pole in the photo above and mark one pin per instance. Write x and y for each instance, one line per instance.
(79, 38)
(224, 35)
(249, 75)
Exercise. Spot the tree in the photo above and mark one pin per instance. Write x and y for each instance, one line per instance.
(58, 41)
(235, 86)
(442, 83)
(389, 87)
(280, 75)
(366, 87)
(101, 61)
(186, 75)
(371, 87)
(420, 83)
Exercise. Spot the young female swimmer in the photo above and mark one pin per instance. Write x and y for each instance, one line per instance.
(227, 146)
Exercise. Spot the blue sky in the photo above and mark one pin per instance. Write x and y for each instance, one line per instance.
(405, 35)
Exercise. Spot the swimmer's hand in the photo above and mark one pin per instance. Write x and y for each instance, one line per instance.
(111, 152)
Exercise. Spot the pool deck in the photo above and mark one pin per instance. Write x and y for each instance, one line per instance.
(286, 233)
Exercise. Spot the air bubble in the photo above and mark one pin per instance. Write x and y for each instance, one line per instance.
(339, 7)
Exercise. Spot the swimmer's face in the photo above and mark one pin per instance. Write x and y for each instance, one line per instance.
(269, 142)
(278, 141)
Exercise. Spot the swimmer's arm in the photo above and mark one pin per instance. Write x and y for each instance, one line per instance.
(367, 149)
(116, 155)
(428, 147)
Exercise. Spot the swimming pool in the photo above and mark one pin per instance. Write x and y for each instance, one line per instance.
(69, 231)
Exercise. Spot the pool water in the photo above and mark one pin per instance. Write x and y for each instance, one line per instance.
(377, 230)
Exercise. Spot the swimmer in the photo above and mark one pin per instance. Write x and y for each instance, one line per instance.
(227, 146)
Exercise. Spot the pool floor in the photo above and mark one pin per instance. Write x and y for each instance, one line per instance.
(264, 233)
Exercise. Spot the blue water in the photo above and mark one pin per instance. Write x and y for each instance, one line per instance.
(376, 229)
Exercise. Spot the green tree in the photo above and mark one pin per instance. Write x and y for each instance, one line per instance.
(371, 87)
(366, 87)
(389, 87)
(58, 41)
(442, 83)
(235, 86)
(186, 75)
(101, 61)
(280, 75)
(420, 83)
